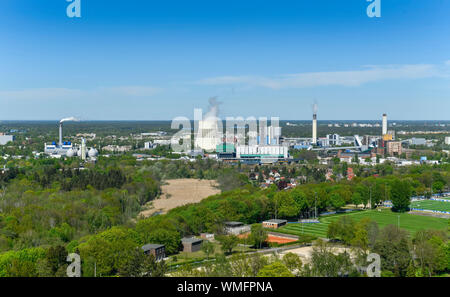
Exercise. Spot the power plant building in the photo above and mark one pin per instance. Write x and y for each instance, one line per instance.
(262, 153)
(66, 148)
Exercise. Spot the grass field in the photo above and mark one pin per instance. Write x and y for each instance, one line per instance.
(431, 205)
(410, 222)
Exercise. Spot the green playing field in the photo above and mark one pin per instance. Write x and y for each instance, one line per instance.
(385, 217)
(431, 205)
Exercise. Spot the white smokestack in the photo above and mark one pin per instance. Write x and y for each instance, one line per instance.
(314, 124)
(70, 119)
(83, 149)
(384, 125)
(60, 133)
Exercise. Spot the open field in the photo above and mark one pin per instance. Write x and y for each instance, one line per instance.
(431, 205)
(305, 252)
(178, 192)
(385, 217)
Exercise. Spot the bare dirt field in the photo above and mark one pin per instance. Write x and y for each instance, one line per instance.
(178, 192)
(305, 252)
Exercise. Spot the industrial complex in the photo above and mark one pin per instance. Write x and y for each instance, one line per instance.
(271, 147)
(67, 148)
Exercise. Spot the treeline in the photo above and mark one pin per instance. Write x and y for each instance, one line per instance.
(71, 179)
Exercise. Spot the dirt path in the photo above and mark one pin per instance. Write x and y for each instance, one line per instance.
(178, 192)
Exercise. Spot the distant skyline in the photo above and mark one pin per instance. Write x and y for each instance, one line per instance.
(154, 60)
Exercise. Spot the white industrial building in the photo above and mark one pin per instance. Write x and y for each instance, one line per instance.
(263, 153)
(66, 148)
(334, 139)
(417, 141)
(4, 139)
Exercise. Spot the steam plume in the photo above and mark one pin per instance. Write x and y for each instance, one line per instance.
(70, 119)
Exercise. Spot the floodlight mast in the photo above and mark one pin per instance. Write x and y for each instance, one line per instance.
(315, 206)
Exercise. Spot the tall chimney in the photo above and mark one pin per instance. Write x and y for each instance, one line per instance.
(314, 129)
(83, 149)
(60, 133)
(384, 128)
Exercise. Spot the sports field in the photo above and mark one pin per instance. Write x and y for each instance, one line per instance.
(385, 217)
(431, 205)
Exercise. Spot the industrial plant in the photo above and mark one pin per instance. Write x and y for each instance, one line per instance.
(67, 148)
(270, 147)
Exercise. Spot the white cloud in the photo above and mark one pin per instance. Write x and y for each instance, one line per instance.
(337, 78)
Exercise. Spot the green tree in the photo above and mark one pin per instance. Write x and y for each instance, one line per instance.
(356, 198)
(276, 269)
(400, 195)
(230, 179)
(430, 249)
(229, 242)
(324, 263)
(258, 235)
(393, 248)
(337, 202)
(208, 248)
(343, 229)
(292, 262)
(142, 265)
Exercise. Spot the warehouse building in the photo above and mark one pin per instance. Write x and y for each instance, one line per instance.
(262, 153)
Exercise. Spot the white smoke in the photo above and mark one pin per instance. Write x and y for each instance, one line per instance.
(69, 119)
(213, 108)
(314, 108)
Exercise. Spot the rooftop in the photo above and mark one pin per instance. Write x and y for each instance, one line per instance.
(152, 246)
(190, 240)
(278, 221)
(233, 224)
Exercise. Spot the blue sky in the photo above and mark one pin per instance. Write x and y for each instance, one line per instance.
(155, 60)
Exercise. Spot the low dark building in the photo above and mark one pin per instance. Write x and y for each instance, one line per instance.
(157, 250)
(191, 244)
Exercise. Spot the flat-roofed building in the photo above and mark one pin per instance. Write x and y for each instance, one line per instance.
(274, 223)
(157, 250)
(394, 148)
(447, 140)
(191, 244)
(4, 139)
(236, 228)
